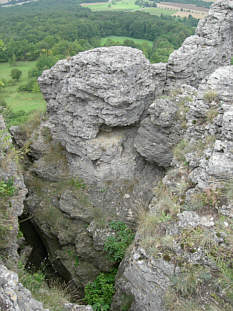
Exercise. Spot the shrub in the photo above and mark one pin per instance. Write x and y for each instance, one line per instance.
(99, 293)
(2, 84)
(16, 74)
(14, 118)
(116, 245)
(2, 102)
(30, 86)
(7, 188)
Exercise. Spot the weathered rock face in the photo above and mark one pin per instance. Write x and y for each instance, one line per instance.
(193, 205)
(159, 132)
(74, 307)
(109, 134)
(13, 296)
(210, 47)
(213, 112)
(141, 282)
(103, 87)
(85, 170)
(12, 195)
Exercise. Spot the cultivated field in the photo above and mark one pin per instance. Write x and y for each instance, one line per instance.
(184, 10)
(126, 5)
(121, 39)
(166, 8)
(20, 101)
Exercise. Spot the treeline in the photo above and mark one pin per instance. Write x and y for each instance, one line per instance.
(64, 28)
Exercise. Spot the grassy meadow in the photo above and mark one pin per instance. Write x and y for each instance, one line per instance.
(126, 5)
(15, 100)
(121, 39)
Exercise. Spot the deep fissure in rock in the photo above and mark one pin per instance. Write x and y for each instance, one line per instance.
(39, 253)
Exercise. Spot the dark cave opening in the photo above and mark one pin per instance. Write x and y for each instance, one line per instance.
(38, 259)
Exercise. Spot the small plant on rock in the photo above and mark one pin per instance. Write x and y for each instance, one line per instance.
(210, 96)
(7, 188)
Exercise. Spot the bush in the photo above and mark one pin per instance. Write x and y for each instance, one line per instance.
(16, 74)
(2, 102)
(116, 245)
(30, 86)
(7, 188)
(14, 118)
(99, 293)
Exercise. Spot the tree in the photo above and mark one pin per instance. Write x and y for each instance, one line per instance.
(12, 60)
(16, 74)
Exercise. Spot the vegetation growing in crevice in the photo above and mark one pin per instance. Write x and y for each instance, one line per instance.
(205, 283)
(53, 294)
(7, 188)
(99, 293)
(116, 244)
(210, 96)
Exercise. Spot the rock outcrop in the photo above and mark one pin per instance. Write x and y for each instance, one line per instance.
(12, 195)
(188, 230)
(85, 170)
(94, 101)
(13, 296)
(98, 156)
(210, 48)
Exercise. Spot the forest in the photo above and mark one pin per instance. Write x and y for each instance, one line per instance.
(34, 36)
(64, 28)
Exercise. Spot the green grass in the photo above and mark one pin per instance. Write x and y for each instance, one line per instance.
(126, 5)
(122, 39)
(158, 11)
(20, 101)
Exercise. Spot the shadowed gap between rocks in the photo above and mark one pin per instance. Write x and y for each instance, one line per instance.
(38, 257)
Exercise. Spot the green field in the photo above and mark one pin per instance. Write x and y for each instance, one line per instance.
(17, 101)
(122, 39)
(125, 5)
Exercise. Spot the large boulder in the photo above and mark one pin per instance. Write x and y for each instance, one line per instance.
(103, 87)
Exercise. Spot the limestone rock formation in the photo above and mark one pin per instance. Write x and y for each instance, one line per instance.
(106, 142)
(74, 307)
(104, 87)
(159, 132)
(92, 99)
(12, 195)
(141, 281)
(214, 111)
(210, 47)
(191, 212)
(84, 170)
(13, 296)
